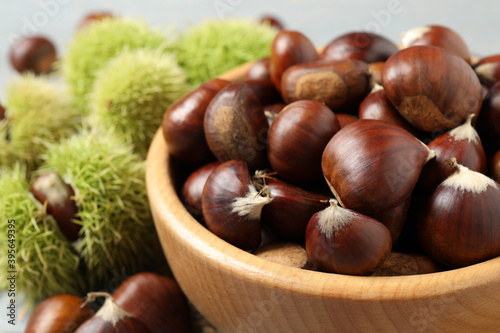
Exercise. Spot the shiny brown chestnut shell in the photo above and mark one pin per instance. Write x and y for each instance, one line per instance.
(338, 84)
(345, 119)
(183, 123)
(34, 54)
(364, 46)
(433, 89)
(489, 119)
(488, 70)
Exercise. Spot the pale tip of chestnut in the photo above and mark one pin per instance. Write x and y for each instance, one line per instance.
(109, 311)
(487, 71)
(56, 190)
(466, 131)
(411, 35)
(332, 219)
(467, 180)
(252, 203)
(376, 87)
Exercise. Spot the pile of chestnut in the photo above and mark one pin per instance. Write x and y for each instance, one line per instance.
(353, 152)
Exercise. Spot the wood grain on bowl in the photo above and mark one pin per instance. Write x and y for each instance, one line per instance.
(239, 292)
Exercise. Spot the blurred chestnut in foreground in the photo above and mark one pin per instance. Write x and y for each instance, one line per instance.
(297, 138)
(289, 48)
(2, 112)
(61, 313)
(460, 223)
(376, 71)
(364, 46)
(439, 36)
(343, 241)
(433, 89)
(372, 166)
(236, 127)
(183, 123)
(488, 70)
(338, 84)
(33, 54)
(259, 70)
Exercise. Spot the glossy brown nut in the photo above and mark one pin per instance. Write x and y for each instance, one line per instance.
(157, 301)
(291, 209)
(34, 54)
(272, 21)
(394, 219)
(488, 70)
(289, 48)
(372, 166)
(464, 144)
(183, 123)
(2, 112)
(439, 36)
(193, 189)
(459, 226)
(489, 119)
(236, 127)
(259, 70)
(433, 89)
(364, 46)
(265, 91)
(338, 84)
(400, 264)
(297, 138)
(232, 205)
(50, 189)
(377, 106)
(495, 167)
(59, 313)
(343, 241)
(94, 17)
(376, 71)
(345, 119)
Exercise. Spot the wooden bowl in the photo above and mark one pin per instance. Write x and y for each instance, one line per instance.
(239, 292)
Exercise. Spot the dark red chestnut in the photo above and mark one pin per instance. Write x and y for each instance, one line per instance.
(264, 90)
(345, 119)
(343, 241)
(259, 70)
(111, 318)
(459, 225)
(372, 166)
(289, 48)
(394, 219)
(51, 190)
(364, 46)
(495, 167)
(399, 264)
(34, 54)
(439, 36)
(291, 209)
(488, 70)
(464, 144)
(297, 138)
(433, 89)
(232, 205)
(338, 84)
(272, 21)
(155, 300)
(183, 123)
(94, 17)
(236, 127)
(61, 313)
(193, 189)
(2, 112)
(377, 106)
(489, 119)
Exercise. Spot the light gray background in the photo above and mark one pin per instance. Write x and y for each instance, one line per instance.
(321, 20)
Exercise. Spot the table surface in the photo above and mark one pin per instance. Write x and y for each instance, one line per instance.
(320, 20)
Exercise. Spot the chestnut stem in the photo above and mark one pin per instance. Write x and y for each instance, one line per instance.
(91, 297)
(451, 162)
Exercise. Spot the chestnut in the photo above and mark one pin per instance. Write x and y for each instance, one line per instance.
(291, 209)
(271, 111)
(359, 45)
(346, 119)
(259, 70)
(288, 254)
(433, 89)
(94, 17)
(338, 84)
(59, 313)
(488, 70)
(35, 54)
(459, 224)
(264, 90)
(489, 119)
(377, 106)
(399, 264)
(192, 189)
(439, 36)
(375, 69)
(272, 21)
(495, 167)
(183, 123)
(289, 48)
(236, 127)
(51, 190)
(372, 166)
(297, 138)
(232, 205)
(157, 301)
(2, 112)
(343, 241)
(394, 219)
(464, 144)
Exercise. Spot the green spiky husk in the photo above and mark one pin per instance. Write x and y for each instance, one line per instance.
(93, 47)
(118, 233)
(38, 113)
(45, 261)
(132, 92)
(213, 47)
